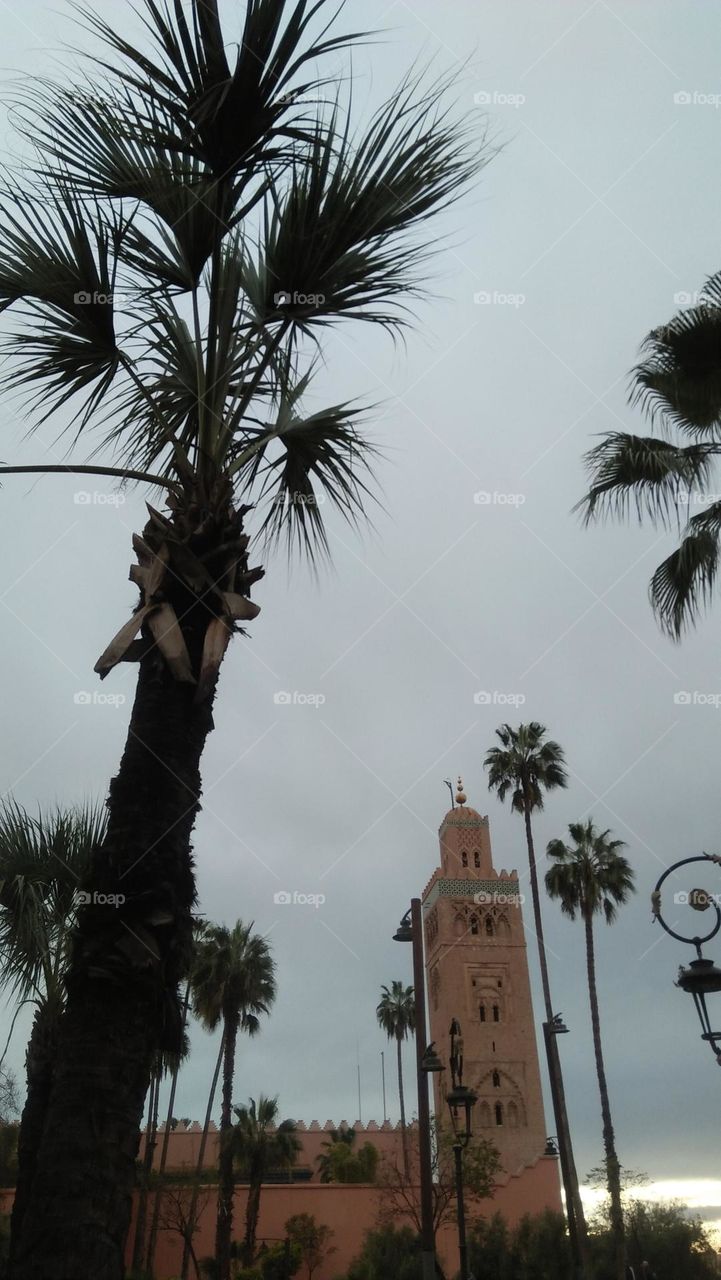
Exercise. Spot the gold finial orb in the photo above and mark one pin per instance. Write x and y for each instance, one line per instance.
(460, 794)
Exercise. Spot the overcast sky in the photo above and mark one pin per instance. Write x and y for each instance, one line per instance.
(598, 218)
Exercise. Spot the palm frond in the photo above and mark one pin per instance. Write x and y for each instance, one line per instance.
(679, 379)
(591, 876)
(647, 472)
(238, 120)
(58, 268)
(338, 244)
(43, 862)
(682, 586)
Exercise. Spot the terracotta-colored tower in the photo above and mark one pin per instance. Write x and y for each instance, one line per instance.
(477, 972)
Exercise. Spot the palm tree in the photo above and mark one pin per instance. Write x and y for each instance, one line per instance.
(192, 1212)
(590, 878)
(260, 1146)
(191, 214)
(525, 766)
(168, 1063)
(157, 1202)
(233, 984)
(151, 1134)
(678, 385)
(343, 1137)
(43, 864)
(396, 1014)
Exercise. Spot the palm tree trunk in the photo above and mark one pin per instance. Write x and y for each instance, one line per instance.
(252, 1213)
(187, 1246)
(152, 1243)
(122, 997)
(39, 1065)
(404, 1135)
(613, 1168)
(150, 1135)
(226, 1182)
(576, 1219)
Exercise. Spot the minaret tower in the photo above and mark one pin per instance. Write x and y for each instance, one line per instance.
(477, 972)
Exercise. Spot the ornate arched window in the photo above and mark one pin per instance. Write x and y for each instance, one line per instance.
(496, 1080)
(464, 858)
(476, 858)
(499, 1113)
(496, 1013)
(489, 926)
(474, 924)
(482, 1012)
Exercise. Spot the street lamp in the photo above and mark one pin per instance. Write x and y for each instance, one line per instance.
(701, 977)
(462, 1100)
(410, 929)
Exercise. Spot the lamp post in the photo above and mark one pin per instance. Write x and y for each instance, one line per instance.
(700, 977)
(460, 1099)
(410, 929)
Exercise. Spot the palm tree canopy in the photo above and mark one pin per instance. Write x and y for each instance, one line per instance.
(591, 876)
(526, 765)
(396, 1011)
(259, 1143)
(43, 863)
(677, 384)
(198, 210)
(233, 976)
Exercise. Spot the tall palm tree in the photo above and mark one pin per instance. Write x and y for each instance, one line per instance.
(525, 766)
(151, 1134)
(191, 214)
(192, 1212)
(396, 1014)
(233, 985)
(158, 1199)
(678, 385)
(259, 1145)
(43, 864)
(591, 877)
(165, 1064)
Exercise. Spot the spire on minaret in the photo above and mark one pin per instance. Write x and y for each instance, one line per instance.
(460, 794)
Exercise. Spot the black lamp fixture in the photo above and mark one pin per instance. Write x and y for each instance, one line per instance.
(404, 932)
(700, 977)
(431, 1062)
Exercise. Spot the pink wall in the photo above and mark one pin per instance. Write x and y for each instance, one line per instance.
(351, 1211)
